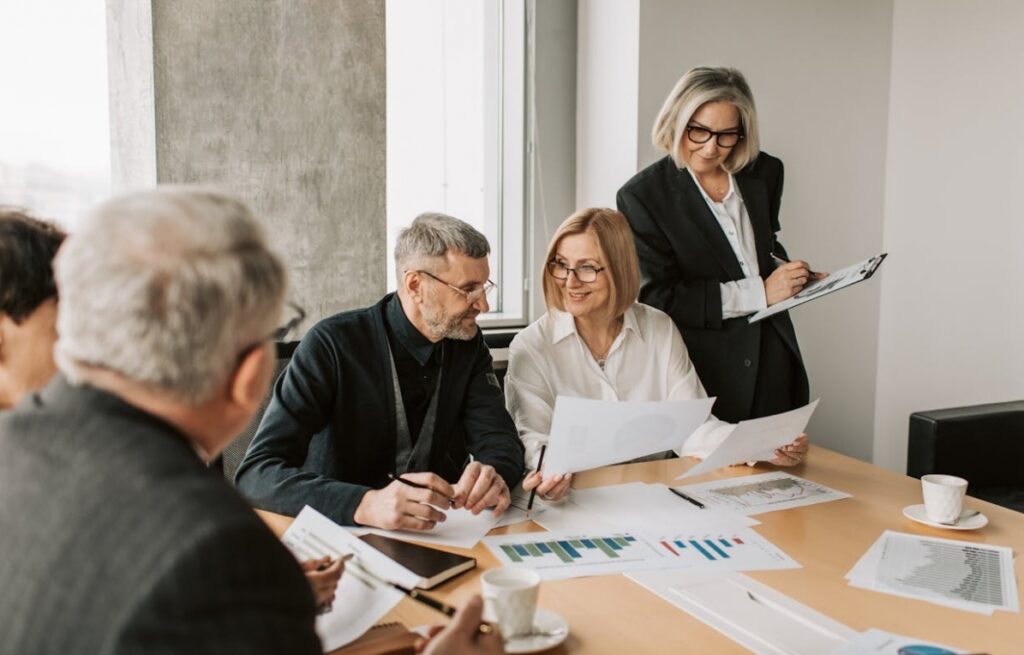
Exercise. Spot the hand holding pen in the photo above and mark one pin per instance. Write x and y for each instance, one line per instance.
(413, 501)
(553, 487)
(788, 279)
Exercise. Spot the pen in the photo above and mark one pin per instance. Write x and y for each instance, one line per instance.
(328, 606)
(417, 485)
(688, 499)
(783, 260)
(533, 492)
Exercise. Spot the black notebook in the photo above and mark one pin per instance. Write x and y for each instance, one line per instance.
(433, 566)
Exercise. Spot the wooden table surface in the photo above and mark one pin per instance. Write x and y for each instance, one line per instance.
(610, 614)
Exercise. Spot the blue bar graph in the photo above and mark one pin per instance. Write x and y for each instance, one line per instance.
(713, 546)
(521, 551)
(588, 543)
(611, 544)
(726, 543)
(567, 547)
(680, 543)
(542, 547)
(701, 550)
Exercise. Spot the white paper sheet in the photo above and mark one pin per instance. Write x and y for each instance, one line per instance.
(880, 642)
(756, 439)
(959, 574)
(587, 434)
(560, 555)
(748, 612)
(765, 492)
(460, 529)
(649, 508)
(358, 605)
(516, 512)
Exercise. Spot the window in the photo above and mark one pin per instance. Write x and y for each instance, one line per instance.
(54, 125)
(455, 125)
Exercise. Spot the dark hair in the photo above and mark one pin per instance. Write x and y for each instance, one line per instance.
(27, 248)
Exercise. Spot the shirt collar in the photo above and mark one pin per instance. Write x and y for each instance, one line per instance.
(563, 324)
(420, 347)
(732, 189)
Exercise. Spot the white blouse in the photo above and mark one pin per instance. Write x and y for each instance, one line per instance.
(647, 361)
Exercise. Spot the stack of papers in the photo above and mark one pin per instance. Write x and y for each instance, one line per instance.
(767, 492)
(959, 574)
(361, 601)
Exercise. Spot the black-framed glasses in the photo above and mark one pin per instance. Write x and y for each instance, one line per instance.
(726, 139)
(585, 273)
(279, 333)
(472, 296)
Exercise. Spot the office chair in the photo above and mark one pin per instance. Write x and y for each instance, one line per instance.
(983, 444)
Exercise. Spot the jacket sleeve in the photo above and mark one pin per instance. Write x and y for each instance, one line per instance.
(692, 303)
(490, 433)
(271, 474)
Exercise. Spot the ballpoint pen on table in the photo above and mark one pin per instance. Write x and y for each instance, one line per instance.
(416, 485)
(533, 492)
(783, 260)
(688, 499)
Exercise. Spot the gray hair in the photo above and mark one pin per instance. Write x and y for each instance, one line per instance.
(166, 287)
(433, 235)
(695, 88)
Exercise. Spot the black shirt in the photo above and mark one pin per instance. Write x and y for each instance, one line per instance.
(417, 362)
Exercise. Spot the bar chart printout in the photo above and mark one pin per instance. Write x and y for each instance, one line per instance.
(961, 574)
(563, 555)
(762, 493)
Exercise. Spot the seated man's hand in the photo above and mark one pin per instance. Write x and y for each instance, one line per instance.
(462, 636)
(792, 453)
(399, 506)
(481, 487)
(553, 487)
(323, 576)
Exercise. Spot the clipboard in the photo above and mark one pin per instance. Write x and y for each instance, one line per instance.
(833, 282)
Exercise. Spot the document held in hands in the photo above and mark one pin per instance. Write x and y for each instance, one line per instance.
(756, 439)
(586, 434)
(817, 288)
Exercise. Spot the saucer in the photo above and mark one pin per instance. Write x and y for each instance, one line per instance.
(916, 513)
(553, 628)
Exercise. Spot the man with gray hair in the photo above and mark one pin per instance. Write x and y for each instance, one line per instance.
(114, 535)
(389, 414)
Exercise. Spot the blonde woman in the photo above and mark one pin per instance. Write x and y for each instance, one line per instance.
(596, 341)
(706, 222)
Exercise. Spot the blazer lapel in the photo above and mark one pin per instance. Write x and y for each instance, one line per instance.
(755, 197)
(697, 210)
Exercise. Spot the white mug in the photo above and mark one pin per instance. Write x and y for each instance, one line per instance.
(943, 497)
(510, 599)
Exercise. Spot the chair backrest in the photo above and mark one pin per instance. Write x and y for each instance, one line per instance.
(982, 443)
(233, 454)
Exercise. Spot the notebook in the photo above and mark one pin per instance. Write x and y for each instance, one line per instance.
(432, 565)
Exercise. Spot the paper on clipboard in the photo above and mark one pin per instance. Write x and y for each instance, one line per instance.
(833, 282)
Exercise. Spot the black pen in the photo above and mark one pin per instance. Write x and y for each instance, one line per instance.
(417, 485)
(783, 260)
(533, 492)
(688, 499)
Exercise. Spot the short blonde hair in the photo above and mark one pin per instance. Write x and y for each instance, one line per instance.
(697, 87)
(617, 248)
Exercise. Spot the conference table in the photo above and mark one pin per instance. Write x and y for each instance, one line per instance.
(611, 614)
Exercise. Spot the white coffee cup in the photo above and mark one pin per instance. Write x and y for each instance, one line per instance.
(510, 599)
(943, 497)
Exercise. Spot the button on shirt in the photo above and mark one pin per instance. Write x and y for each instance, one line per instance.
(746, 296)
(647, 361)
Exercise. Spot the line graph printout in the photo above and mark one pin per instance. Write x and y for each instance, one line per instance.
(766, 492)
(961, 574)
(566, 554)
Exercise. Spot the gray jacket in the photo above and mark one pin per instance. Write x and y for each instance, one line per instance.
(115, 538)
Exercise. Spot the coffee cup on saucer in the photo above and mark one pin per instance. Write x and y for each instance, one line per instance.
(943, 497)
(510, 599)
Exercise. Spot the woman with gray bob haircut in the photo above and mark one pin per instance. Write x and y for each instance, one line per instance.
(168, 288)
(706, 221)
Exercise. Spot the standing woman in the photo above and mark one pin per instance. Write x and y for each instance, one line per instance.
(706, 220)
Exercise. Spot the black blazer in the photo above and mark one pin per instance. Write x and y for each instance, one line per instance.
(328, 435)
(684, 256)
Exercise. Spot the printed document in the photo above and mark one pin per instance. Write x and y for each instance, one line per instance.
(756, 439)
(587, 434)
(765, 492)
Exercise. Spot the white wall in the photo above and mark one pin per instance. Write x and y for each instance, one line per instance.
(606, 91)
(820, 76)
(951, 309)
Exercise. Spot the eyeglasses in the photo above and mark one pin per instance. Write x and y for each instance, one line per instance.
(279, 334)
(726, 139)
(585, 273)
(473, 296)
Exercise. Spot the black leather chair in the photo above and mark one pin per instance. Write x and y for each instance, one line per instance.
(983, 444)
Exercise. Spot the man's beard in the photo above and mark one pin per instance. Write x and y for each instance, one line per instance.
(452, 328)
